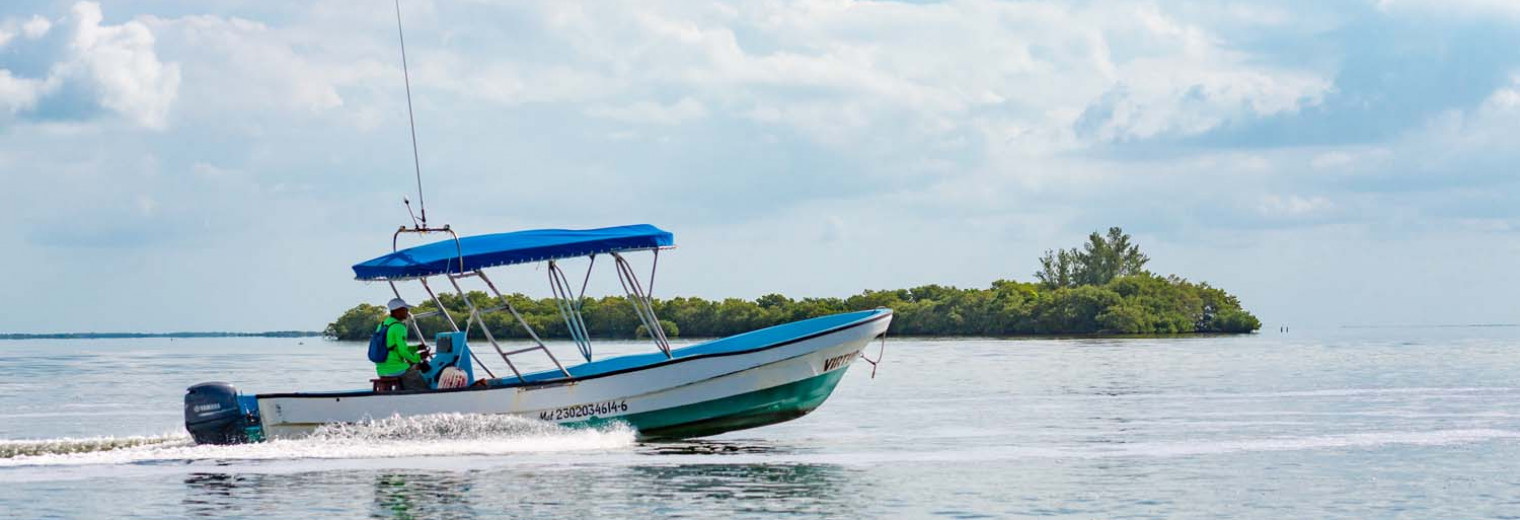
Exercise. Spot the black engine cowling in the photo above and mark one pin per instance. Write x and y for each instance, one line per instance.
(212, 414)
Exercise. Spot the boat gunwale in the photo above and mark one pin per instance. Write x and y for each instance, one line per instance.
(576, 379)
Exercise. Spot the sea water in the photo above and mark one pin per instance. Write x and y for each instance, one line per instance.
(1334, 423)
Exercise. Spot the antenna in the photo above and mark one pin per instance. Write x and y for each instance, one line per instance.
(408, 205)
(416, 162)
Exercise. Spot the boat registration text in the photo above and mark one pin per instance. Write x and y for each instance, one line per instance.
(583, 410)
(838, 361)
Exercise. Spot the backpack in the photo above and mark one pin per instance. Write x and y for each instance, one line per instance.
(378, 349)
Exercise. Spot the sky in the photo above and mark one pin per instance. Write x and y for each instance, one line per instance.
(218, 165)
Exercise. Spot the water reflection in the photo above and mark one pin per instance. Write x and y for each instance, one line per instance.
(226, 493)
(390, 494)
(812, 489)
(211, 494)
(537, 490)
(706, 447)
(803, 488)
(422, 495)
(707, 489)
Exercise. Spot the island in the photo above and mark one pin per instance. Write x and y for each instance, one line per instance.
(1100, 288)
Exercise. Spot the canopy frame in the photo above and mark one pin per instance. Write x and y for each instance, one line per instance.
(568, 302)
(570, 309)
(643, 304)
(458, 247)
(412, 317)
(476, 252)
(477, 316)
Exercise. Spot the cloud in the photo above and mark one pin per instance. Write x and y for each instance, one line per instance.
(36, 27)
(1505, 100)
(1293, 206)
(1505, 8)
(991, 129)
(242, 64)
(121, 64)
(1186, 81)
(846, 73)
(1351, 158)
(650, 112)
(109, 67)
(19, 94)
(1466, 143)
(210, 171)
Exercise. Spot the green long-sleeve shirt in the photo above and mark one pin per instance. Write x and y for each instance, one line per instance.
(401, 355)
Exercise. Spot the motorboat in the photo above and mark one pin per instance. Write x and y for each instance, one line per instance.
(753, 379)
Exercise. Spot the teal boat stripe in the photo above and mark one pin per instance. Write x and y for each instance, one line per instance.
(747, 410)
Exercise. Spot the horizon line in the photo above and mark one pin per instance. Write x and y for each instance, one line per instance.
(177, 334)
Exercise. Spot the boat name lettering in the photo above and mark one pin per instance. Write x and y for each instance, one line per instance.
(838, 361)
(583, 410)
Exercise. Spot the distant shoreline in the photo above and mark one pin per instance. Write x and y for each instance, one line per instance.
(138, 335)
(1436, 326)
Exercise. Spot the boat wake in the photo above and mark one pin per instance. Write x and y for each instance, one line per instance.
(35, 448)
(418, 436)
(441, 427)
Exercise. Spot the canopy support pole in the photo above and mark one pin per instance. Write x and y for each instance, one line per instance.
(422, 337)
(445, 311)
(569, 310)
(642, 305)
(653, 268)
(475, 317)
(510, 308)
(439, 303)
(587, 279)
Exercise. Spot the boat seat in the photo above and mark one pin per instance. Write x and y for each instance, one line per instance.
(386, 383)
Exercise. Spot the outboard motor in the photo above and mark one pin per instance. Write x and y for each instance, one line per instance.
(213, 415)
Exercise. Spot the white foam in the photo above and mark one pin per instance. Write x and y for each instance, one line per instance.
(16, 449)
(420, 436)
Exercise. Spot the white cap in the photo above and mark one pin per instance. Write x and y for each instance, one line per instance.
(397, 303)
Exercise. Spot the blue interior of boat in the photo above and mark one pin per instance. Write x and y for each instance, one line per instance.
(450, 350)
(737, 343)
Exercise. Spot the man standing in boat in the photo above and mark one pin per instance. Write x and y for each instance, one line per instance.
(401, 360)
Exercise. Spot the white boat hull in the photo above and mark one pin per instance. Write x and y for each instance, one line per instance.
(684, 397)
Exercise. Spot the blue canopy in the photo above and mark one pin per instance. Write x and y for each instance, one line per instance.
(518, 247)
